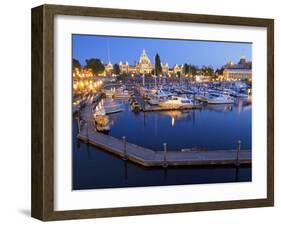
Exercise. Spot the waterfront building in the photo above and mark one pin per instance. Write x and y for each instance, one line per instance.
(240, 71)
(178, 70)
(202, 78)
(84, 81)
(108, 69)
(132, 69)
(165, 68)
(237, 74)
(230, 71)
(144, 66)
(82, 74)
(124, 67)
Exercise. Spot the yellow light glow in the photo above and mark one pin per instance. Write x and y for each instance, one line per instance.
(81, 84)
(173, 121)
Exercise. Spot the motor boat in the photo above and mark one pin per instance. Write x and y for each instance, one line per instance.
(101, 120)
(219, 99)
(159, 96)
(177, 102)
(153, 101)
(135, 107)
(122, 94)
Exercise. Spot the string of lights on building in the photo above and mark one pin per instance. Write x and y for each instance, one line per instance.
(231, 72)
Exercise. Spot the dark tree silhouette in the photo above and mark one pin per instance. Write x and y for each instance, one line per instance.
(76, 64)
(209, 71)
(116, 69)
(96, 66)
(158, 67)
(190, 69)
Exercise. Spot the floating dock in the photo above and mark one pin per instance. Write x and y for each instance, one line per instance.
(150, 158)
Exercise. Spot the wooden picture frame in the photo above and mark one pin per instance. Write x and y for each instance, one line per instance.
(43, 108)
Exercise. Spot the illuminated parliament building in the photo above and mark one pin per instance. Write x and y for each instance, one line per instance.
(144, 66)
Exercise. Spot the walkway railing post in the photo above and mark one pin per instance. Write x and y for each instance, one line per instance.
(125, 148)
(87, 130)
(165, 164)
(238, 153)
(78, 124)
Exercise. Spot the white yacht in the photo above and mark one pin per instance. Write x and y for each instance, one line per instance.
(219, 99)
(153, 101)
(113, 108)
(109, 93)
(176, 102)
(158, 96)
(202, 96)
(121, 94)
(239, 94)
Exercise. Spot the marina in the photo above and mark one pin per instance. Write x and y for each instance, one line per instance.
(165, 127)
(105, 105)
(145, 160)
(143, 122)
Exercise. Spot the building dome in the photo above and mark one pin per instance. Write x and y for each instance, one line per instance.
(144, 58)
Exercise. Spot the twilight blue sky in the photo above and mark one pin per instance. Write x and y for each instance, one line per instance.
(174, 52)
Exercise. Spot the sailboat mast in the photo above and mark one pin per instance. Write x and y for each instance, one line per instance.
(108, 50)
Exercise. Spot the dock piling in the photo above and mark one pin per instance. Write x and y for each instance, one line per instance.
(238, 153)
(87, 128)
(165, 164)
(78, 124)
(125, 149)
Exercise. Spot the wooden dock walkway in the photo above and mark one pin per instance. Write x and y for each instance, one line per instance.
(149, 158)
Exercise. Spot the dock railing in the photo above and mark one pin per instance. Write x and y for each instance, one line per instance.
(125, 148)
(238, 153)
(165, 163)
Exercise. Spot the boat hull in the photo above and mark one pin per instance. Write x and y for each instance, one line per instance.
(175, 106)
(153, 102)
(220, 101)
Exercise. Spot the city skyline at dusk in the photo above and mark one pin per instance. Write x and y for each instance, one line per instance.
(144, 122)
(116, 49)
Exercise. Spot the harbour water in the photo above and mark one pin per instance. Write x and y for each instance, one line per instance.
(214, 127)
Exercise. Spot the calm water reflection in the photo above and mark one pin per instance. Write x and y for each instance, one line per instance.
(215, 127)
